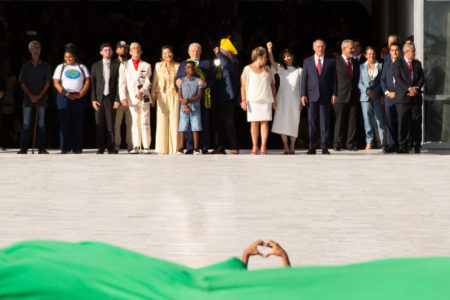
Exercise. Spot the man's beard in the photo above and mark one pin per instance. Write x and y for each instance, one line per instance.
(123, 56)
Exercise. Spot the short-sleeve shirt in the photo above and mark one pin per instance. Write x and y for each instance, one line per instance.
(189, 89)
(72, 77)
(35, 76)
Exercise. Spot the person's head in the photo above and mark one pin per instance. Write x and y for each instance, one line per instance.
(70, 54)
(34, 47)
(106, 50)
(370, 54)
(194, 51)
(394, 50)
(167, 53)
(409, 39)
(358, 47)
(393, 38)
(348, 48)
(122, 49)
(135, 51)
(319, 47)
(384, 50)
(190, 68)
(409, 51)
(286, 58)
(259, 55)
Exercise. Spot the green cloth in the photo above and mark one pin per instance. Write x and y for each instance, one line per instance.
(90, 270)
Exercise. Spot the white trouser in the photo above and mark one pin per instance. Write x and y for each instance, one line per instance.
(145, 124)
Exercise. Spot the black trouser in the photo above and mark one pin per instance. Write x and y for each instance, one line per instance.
(104, 119)
(409, 123)
(225, 128)
(345, 124)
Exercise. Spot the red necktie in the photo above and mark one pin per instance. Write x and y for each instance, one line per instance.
(409, 68)
(349, 67)
(319, 67)
(135, 63)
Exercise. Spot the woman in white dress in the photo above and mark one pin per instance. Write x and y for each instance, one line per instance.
(287, 114)
(258, 97)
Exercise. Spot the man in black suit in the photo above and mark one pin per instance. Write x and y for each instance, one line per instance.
(319, 90)
(409, 79)
(105, 98)
(347, 103)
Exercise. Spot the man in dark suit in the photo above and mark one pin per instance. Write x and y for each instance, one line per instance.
(319, 90)
(347, 103)
(409, 79)
(105, 97)
(203, 68)
(388, 88)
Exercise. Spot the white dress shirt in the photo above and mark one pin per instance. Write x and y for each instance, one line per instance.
(321, 61)
(345, 59)
(106, 75)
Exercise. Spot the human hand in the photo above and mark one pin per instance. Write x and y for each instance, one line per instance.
(34, 98)
(333, 99)
(73, 96)
(244, 105)
(139, 95)
(124, 102)
(216, 49)
(371, 94)
(274, 104)
(187, 110)
(391, 95)
(153, 103)
(116, 105)
(183, 101)
(179, 81)
(269, 46)
(277, 251)
(304, 100)
(253, 248)
(96, 105)
(202, 83)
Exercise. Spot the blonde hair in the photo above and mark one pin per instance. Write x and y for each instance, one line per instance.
(258, 51)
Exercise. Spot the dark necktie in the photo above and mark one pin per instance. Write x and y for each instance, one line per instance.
(349, 67)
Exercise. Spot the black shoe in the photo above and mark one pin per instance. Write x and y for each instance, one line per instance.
(325, 152)
(389, 149)
(417, 149)
(204, 151)
(337, 148)
(43, 151)
(77, 151)
(189, 151)
(112, 151)
(22, 151)
(402, 150)
(100, 151)
(64, 151)
(311, 151)
(354, 148)
(218, 152)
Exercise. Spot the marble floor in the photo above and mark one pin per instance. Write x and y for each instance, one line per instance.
(197, 210)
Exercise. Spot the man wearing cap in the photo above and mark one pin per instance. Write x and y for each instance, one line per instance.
(104, 97)
(134, 90)
(204, 72)
(225, 91)
(122, 112)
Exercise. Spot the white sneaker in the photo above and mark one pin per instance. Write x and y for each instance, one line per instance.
(134, 151)
(146, 151)
(197, 152)
(180, 151)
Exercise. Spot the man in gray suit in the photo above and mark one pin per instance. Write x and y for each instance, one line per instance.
(105, 97)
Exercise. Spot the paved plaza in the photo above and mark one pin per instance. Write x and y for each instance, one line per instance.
(197, 210)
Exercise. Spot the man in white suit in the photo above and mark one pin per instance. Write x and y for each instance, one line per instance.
(134, 91)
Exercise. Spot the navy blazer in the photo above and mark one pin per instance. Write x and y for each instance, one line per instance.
(205, 65)
(403, 80)
(315, 87)
(364, 82)
(387, 77)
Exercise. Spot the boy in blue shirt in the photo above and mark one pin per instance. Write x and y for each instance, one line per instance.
(190, 94)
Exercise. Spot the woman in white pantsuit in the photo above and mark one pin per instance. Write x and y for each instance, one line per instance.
(258, 97)
(287, 114)
(167, 103)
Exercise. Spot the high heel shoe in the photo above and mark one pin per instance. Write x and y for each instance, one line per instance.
(254, 152)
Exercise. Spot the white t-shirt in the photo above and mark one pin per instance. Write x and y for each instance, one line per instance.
(72, 77)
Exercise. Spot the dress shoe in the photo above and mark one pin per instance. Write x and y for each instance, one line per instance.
(134, 151)
(354, 148)
(43, 151)
(22, 151)
(100, 151)
(112, 151)
(337, 148)
(417, 149)
(146, 151)
(402, 150)
(325, 152)
(311, 151)
(218, 152)
(204, 151)
(64, 151)
(77, 151)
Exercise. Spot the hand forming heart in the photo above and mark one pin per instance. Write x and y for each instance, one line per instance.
(255, 249)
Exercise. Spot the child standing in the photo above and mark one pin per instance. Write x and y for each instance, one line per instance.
(190, 93)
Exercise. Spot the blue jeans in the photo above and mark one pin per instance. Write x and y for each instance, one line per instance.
(370, 109)
(29, 113)
(71, 114)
